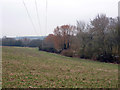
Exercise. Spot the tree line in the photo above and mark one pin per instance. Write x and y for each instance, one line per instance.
(21, 42)
(99, 40)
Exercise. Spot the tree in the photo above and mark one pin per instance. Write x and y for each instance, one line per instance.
(34, 43)
(64, 34)
(83, 39)
(11, 42)
(49, 41)
(98, 30)
(98, 40)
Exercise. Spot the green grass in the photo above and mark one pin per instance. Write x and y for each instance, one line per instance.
(0, 67)
(30, 68)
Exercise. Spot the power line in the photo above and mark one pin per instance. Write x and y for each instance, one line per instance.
(37, 14)
(45, 21)
(38, 19)
(30, 17)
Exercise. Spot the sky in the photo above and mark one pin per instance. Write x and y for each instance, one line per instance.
(14, 20)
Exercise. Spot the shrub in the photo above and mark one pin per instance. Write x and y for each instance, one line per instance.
(48, 49)
(106, 57)
(68, 53)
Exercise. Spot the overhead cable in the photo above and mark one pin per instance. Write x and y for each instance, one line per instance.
(30, 17)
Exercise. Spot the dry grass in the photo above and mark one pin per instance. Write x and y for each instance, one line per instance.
(28, 68)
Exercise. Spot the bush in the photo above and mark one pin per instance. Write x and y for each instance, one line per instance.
(106, 57)
(68, 53)
(48, 49)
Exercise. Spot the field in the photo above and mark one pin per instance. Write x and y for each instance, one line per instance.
(29, 68)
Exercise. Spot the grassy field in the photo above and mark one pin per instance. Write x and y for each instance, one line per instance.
(30, 68)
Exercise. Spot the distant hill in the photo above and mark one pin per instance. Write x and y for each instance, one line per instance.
(31, 37)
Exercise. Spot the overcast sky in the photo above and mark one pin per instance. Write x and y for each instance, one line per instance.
(14, 20)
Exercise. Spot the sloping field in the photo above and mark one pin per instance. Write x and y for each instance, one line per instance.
(30, 68)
